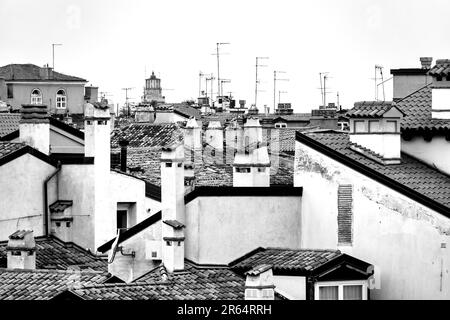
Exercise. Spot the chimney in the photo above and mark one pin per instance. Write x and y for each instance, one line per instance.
(172, 202)
(252, 169)
(91, 94)
(62, 220)
(21, 250)
(234, 136)
(259, 283)
(214, 135)
(440, 90)
(426, 62)
(192, 141)
(46, 72)
(144, 114)
(123, 154)
(375, 130)
(34, 127)
(242, 104)
(252, 133)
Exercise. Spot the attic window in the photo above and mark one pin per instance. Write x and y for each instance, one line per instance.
(374, 126)
(179, 165)
(102, 122)
(16, 253)
(88, 122)
(168, 164)
(359, 126)
(261, 169)
(243, 170)
(58, 224)
(345, 214)
(68, 224)
(448, 77)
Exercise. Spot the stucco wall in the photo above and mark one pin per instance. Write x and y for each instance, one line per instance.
(407, 84)
(435, 152)
(22, 195)
(74, 92)
(153, 205)
(292, 287)
(168, 117)
(221, 229)
(396, 234)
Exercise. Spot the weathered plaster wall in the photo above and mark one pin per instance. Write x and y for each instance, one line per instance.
(221, 229)
(292, 287)
(60, 143)
(168, 117)
(407, 84)
(435, 152)
(22, 195)
(150, 204)
(129, 268)
(395, 233)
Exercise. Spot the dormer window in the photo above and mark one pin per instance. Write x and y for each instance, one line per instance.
(36, 96)
(61, 99)
(359, 126)
(374, 126)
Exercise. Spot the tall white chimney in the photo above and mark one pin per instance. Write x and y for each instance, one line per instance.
(21, 250)
(173, 206)
(252, 169)
(34, 127)
(192, 141)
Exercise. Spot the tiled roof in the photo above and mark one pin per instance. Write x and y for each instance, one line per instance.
(292, 117)
(369, 109)
(147, 135)
(52, 253)
(192, 283)
(410, 173)
(442, 68)
(417, 109)
(43, 284)
(187, 111)
(7, 148)
(9, 122)
(31, 72)
(300, 260)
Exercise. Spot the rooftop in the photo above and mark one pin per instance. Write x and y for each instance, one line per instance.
(370, 109)
(9, 122)
(52, 253)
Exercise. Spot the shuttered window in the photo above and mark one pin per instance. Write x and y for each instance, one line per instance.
(345, 214)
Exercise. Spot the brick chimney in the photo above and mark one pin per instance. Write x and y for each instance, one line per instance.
(173, 206)
(440, 90)
(259, 283)
(46, 72)
(21, 250)
(34, 127)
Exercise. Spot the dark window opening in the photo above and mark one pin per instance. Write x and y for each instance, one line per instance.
(88, 122)
(179, 165)
(168, 164)
(16, 253)
(58, 224)
(122, 219)
(439, 78)
(68, 224)
(30, 253)
(168, 243)
(179, 243)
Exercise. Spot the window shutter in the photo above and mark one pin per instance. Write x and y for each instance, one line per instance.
(345, 214)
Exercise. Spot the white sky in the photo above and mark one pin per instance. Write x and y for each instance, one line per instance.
(110, 43)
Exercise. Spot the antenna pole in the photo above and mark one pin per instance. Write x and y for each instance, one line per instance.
(256, 80)
(325, 91)
(275, 79)
(53, 53)
(126, 100)
(218, 66)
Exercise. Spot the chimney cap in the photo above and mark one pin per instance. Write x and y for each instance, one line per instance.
(20, 234)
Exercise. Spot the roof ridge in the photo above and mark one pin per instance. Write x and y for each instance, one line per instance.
(303, 249)
(51, 271)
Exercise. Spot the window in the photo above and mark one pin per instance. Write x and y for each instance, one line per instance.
(168, 243)
(261, 169)
(9, 89)
(122, 219)
(61, 99)
(179, 243)
(345, 216)
(36, 96)
(168, 164)
(102, 122)
(328, 293)
(179, 165)
(352, 292)
(68, 224)
(88, 122)
(359, 126)
(243, 170)
(16, 253)
(374, 126)
(391, 126)
(280, 125)
(58, 224)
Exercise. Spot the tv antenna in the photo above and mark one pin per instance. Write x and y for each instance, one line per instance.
(323, 87)
(126, 99)
(275, 79)
(53, 52)
(200, 76)
(222, 81)
(210, 78)
(256, 79)
(219, 93)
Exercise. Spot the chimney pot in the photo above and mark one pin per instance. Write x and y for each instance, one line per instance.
(426, 62)
(21, 250)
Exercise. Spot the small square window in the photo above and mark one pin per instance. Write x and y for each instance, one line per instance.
(16, 253)
(154, 254)
(168, 164)
(88, 122)
(30, 253)
(68, 224)
(168, 243)
(179, 243)
(58, 224)
(261, 169)
(179, 165)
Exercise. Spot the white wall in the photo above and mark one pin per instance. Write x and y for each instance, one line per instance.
(22, 195)
(221, 229)
(292, 287)
(435, 152)
(396, 234)
(168, 117)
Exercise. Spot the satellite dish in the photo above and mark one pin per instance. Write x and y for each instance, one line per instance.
(114, 248)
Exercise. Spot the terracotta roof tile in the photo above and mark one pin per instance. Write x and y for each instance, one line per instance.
(300, 260)
(43, 284)
(369, 109)
(7, 148)
(191, 283)
(31, 72)
(9, 122)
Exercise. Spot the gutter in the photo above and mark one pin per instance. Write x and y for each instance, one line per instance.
(58, 169)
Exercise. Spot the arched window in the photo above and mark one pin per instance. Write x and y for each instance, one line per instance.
(36, 96)
(61, 99)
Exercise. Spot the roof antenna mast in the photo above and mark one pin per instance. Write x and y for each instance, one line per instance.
(219, 93)
(53, 53)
